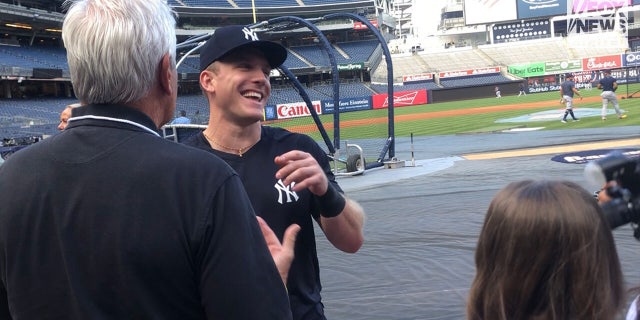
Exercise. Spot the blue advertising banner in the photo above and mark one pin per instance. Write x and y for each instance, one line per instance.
(270, 113)
(629, 75)
(348, 104)
(541, 8)
(631, 59)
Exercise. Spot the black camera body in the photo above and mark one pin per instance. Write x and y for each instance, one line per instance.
(624, 206)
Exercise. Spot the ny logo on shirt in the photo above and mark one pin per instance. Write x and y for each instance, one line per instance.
(286, 190)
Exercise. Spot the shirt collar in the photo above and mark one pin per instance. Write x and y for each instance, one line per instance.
(114, 113)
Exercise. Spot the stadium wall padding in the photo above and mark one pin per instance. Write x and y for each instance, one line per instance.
(466, 93)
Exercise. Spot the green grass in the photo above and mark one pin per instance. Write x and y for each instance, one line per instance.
(485, 122)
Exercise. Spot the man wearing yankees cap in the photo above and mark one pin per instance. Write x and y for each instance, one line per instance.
(287, 175)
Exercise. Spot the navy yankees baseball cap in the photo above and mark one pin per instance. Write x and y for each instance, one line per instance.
(229, 38)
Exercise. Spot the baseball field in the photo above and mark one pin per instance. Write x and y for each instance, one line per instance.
(479, 115)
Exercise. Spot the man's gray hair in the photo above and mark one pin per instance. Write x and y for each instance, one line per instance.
(114, 47)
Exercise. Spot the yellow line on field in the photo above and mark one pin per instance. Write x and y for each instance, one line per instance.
(554, 149)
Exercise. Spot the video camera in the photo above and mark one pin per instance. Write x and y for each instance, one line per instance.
(624, 206)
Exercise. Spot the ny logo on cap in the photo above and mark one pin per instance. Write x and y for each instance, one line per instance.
(248, 33)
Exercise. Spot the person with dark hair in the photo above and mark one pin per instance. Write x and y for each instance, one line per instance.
(609, 85)
(182, 119)
(523, 90)
(287, 175)
(567, 90)
(107, 219)
(545, 252)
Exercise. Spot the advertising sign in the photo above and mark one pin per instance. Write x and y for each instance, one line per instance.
(632, 59)
(296, 109)
(521, 30)
(400, 99)
(470, 72)
(603, 62)
(351, 66)
(527, 70)
(348, 104)
(626, 75)
(417, 77)
(541, 8)
(361, 26)
(588, 16)
(270, 113)
(581, 6)
(555, 67)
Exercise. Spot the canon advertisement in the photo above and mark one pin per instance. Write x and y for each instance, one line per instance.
(300, 109)
(290, 110)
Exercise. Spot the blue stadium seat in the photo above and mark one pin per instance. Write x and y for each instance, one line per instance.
(324, 2)
(207, 3)
(358, 51)
(293, 62)
(33, 57)
(266, 3)
(31, 116)
(315, 54)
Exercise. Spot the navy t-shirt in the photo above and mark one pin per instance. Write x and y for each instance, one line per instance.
(280, 207)
(606, 83)
(567, 88)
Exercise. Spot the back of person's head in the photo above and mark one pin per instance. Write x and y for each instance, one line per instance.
(545, 252)
(114, 47)
(183, 113)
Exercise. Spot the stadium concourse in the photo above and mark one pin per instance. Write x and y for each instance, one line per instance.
(423, 220)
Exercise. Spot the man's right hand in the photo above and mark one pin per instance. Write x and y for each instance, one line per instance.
(282, 253)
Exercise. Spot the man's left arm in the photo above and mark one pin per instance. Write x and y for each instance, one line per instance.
(344, 231)
(577, 92)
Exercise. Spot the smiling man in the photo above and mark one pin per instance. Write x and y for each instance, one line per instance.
(287, 175)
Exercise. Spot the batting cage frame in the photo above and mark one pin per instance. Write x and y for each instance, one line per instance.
(355, 162)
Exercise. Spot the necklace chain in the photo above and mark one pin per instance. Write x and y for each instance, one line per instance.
(239, 151)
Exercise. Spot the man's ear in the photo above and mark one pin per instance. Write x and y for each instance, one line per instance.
(208, 81)
(166, 74)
